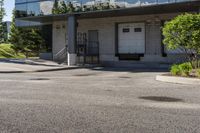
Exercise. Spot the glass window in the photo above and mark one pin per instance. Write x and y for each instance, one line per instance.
(127, 3)
(132, 3)
(163, 1)
(88, 2)
(20, 1)
(33, 9)
(46, 7)
(21, 10)
(166, 1)
(33, 0)
(148, 2)
(181, 0)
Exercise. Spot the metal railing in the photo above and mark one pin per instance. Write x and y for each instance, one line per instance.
(61, 56)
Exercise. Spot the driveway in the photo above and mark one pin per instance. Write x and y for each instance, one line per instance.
(99, 100)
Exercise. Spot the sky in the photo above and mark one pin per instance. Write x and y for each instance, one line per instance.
(9, 6)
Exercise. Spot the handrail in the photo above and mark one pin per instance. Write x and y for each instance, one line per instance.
(60, 51)
(59, 56)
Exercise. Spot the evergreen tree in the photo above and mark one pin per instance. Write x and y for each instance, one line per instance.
(71, 7)
(56, 7)
(15, 37)
(26, 40)
(2, 27)
(64, 8)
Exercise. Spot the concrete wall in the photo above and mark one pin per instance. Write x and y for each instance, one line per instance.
(153, 38)
(106, 29)
(59, 37)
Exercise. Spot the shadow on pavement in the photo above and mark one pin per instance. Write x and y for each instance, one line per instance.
(161, 98)
(134, 70)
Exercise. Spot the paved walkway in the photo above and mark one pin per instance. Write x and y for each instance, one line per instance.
(28, 65)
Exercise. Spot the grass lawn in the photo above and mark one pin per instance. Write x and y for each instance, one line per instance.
(6, 51)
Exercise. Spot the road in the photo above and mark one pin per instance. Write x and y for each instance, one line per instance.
(100, 100)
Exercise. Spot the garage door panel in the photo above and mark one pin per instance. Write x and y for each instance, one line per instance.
(131, 40)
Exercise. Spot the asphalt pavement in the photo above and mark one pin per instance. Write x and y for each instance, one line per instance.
(96, 100)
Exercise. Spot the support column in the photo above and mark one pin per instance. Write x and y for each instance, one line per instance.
(72, 32)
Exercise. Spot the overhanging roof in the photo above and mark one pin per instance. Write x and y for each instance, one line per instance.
(192, 6)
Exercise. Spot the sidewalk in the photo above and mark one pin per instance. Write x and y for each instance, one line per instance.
(30, 65)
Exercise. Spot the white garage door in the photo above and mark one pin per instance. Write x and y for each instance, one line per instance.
(131, 38)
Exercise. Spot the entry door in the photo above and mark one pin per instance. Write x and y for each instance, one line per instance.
(131, 38)
(93, 42)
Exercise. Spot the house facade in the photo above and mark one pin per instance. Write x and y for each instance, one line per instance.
(129, 32)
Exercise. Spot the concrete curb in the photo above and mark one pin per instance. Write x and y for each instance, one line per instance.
(44, 70)
(178, 80)
(26, 61)
(54, 69)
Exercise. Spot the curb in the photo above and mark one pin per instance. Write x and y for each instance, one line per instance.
(21, 61)
(178, 80)
(45, 70)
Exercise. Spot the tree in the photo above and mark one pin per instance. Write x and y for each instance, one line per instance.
(56, 7)
(26, 40)
(33, 41)
(2, 26)
(15, 36)
(183, 32)
(63, 8)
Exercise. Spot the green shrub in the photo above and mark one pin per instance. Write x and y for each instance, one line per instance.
(7, 51)
(175, 70)
(195, 64)
(5, 54)
(198, 73)
(185, 68)
(7, 48)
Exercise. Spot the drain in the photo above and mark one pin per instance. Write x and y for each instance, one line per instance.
(40, 79)
(161, 99)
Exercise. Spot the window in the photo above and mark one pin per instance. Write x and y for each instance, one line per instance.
(126, 30)
(138, 29)
(26, 8)
(148, 2)
(21, 10)
(33, 9)
(20, 1)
